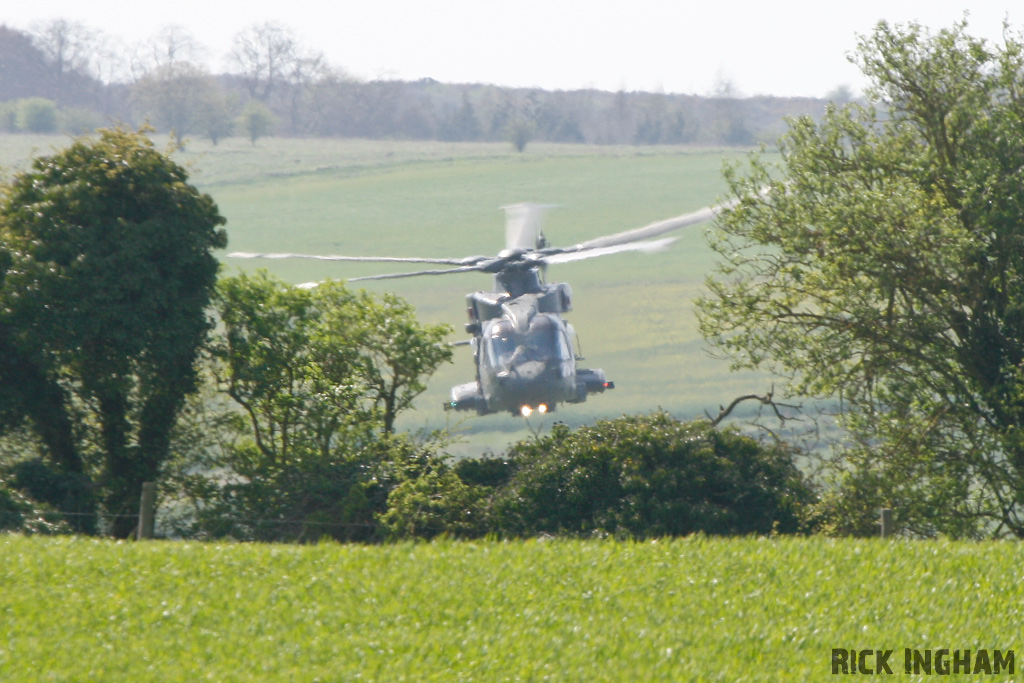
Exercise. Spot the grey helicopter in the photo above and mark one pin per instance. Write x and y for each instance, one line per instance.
(523, 349)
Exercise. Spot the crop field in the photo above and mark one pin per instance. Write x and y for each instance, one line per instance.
(633, 312)
(694, 609)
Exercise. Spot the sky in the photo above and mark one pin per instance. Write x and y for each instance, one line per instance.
(783, 48)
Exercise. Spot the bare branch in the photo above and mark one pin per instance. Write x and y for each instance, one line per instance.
(767, 400)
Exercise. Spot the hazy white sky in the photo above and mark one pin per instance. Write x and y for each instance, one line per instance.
(785, 47)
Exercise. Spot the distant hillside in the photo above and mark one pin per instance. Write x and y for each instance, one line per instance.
(313, 99)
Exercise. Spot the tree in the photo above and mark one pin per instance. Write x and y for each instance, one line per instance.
(24, 65)
(648, 476)
(520, 131)
(307, 72)
(879, 266)
(70, 49)
(292, 376)
(660, 122)
(256, 120)
(307, 364)
(398, 353)
(170, 46)
(461, 125)
(279, 72)
(107, 270)
(68, 45)
(841, 94)
(265, 55)
(318, 377)
(216, 119)
(182, 98)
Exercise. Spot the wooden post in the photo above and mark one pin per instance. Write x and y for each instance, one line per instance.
(886, 522)
(147, 508)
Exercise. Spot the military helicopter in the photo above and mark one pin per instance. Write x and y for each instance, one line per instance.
(522, 347)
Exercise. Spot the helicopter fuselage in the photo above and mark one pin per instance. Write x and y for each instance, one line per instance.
(523, 349)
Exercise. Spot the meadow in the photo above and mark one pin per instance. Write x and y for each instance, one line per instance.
(632, 312)
(693, 609)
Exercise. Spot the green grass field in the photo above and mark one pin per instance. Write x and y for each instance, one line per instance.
(691, 609)
(695, 609)
(633, 312)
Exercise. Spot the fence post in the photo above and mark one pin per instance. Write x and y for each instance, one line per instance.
(886, 522)
(147, 508)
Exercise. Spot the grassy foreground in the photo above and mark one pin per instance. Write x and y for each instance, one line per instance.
(693, 609)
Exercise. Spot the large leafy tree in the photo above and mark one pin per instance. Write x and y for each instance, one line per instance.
(304, 363)
(880, 265)
(317, 378)
(107, 275)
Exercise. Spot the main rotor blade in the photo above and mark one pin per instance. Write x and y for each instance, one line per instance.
(469, 260)
(395, 276)
(648, 231)
(649, 246)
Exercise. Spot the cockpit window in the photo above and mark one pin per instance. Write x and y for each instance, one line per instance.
(501, 340)
(544, 340)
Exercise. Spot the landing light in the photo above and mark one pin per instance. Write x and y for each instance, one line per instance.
(542, 409)
(526, 411)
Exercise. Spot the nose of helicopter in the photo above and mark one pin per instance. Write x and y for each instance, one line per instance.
(534, 383)
(531, 370)
(527, 373)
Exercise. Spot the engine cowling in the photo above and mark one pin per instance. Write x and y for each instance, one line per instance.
(591, 382)
(466, 397)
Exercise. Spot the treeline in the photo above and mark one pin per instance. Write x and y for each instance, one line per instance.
(65, 76)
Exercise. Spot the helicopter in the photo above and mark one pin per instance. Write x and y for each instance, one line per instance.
(523, 348)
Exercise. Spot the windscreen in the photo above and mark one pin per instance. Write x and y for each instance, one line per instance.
(544, 340)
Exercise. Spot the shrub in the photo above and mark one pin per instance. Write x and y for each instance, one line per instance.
(21, 514)
(37, 480)
(37, 115)
(8, 117)
(436, 503)
(647, 476)
(309, 499)
(485, 471)
(79, 121)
